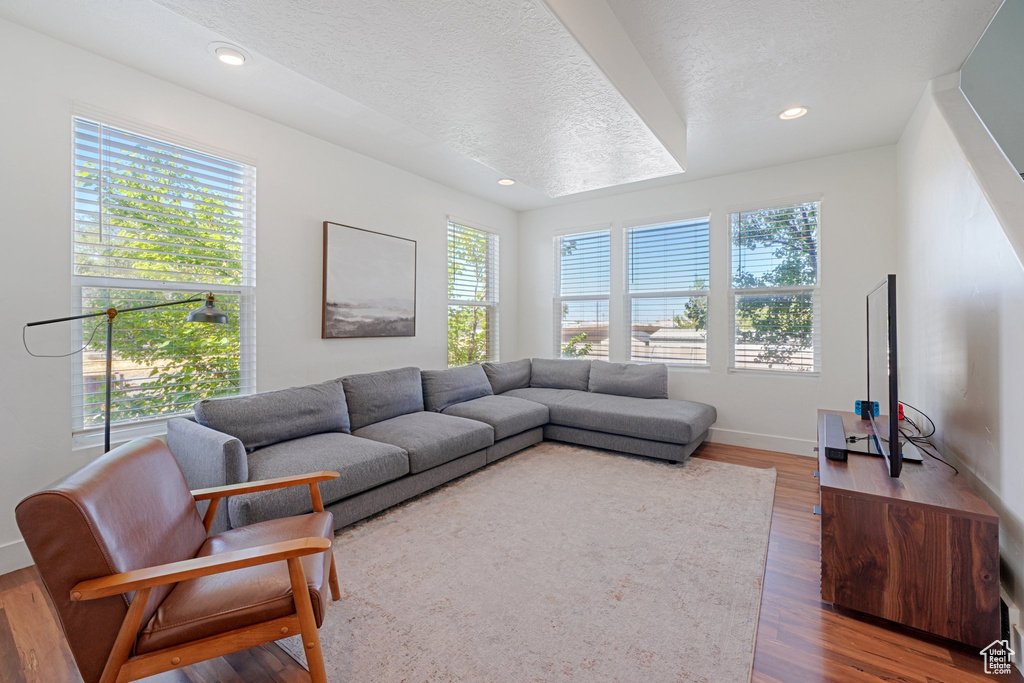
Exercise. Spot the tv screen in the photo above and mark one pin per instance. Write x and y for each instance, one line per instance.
(882, 372)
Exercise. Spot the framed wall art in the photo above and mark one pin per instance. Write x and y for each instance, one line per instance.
(369, 284)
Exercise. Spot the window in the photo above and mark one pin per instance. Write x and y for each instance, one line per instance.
(582, 277)
(668, 269)
(472, 295)
(155, 222)
(775, 271)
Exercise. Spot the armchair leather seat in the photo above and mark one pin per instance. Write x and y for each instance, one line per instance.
(222, 602)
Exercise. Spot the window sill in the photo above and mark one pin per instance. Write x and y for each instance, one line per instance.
(775, 373)
(120, 434)
(689, 368)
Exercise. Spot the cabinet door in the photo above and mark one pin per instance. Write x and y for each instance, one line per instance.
(913, 565)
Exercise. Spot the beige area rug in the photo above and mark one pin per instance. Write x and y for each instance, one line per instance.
(557, 564)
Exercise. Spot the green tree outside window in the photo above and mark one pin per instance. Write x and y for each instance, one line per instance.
(167, 222)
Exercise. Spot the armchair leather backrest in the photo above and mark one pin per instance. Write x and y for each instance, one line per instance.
(126, 510)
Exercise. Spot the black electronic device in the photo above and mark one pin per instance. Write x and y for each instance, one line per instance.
(883, 373)
(835, 437)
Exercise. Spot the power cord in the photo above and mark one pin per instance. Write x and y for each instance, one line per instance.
(920, 439)
(24, 342)
(918, 410)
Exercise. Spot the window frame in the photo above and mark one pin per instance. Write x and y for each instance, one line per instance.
(86, 436)
(814, 290)
(629, 296)
(559, 299)
(493, 296)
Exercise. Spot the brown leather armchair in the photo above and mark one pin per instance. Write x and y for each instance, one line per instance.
(139, 585)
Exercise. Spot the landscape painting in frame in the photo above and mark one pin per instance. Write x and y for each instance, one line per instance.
(369, 284)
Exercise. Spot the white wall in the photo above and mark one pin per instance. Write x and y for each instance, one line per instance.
(302, 181)
(993, 80)
(961, 304)
(858, 241)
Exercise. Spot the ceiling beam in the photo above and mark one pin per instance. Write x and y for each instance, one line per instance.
(597, 30)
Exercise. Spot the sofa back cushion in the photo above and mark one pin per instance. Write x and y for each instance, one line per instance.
(629, 379)
(378, 396)
(513, 374)
(274, 416)
(443, 388)
(560, 373)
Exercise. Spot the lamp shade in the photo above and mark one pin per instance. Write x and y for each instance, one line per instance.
(208, 313)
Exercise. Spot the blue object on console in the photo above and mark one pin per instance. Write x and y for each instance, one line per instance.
(874, 407)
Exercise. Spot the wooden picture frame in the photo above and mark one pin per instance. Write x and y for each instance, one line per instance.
(369, 284)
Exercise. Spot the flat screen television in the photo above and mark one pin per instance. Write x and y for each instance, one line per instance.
(882, 373)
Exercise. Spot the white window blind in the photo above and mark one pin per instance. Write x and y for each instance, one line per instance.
(775, 274)
(668, 270)
(472, 295)
(154, 222)
(582, 282)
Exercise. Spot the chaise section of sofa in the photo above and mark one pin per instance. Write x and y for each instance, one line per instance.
(667, 420)
(623, 408)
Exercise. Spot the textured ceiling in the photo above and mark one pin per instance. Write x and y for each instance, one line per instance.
(155, 40)
(502, 82)
(727, 67)
(859, 65)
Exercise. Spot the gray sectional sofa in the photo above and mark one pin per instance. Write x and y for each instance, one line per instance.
(395, 434)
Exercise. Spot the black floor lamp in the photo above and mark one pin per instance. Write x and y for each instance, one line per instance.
(208, 313)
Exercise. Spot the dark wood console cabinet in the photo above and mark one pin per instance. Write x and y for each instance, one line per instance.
(921, 550)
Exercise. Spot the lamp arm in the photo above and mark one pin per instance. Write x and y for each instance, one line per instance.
(198, 297)
(111, 313)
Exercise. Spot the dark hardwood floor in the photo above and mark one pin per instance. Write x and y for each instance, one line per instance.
(800, 638)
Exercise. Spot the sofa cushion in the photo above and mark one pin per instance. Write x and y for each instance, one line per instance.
(629, 379)
(560, 373)
(211, 605)
(508, 415)
(513, 374)
(654, 419)
(378, 396)
(442, 388)
(430, 439)
(546, 397)
(362, 464)
(274, 416)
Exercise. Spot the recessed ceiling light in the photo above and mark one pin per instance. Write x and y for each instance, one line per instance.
(793, 113)
(506, 181)
(228, 53)
(231, 56)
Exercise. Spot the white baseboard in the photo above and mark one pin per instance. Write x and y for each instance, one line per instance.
(14, 555)
(765, 442)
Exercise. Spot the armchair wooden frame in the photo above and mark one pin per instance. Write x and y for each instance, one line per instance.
(122, 666)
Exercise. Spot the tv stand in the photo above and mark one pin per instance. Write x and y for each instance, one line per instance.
(921, 550)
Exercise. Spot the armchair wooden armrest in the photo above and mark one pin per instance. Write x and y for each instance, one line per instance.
(150, 577)
(215, 494)
(263, 485)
